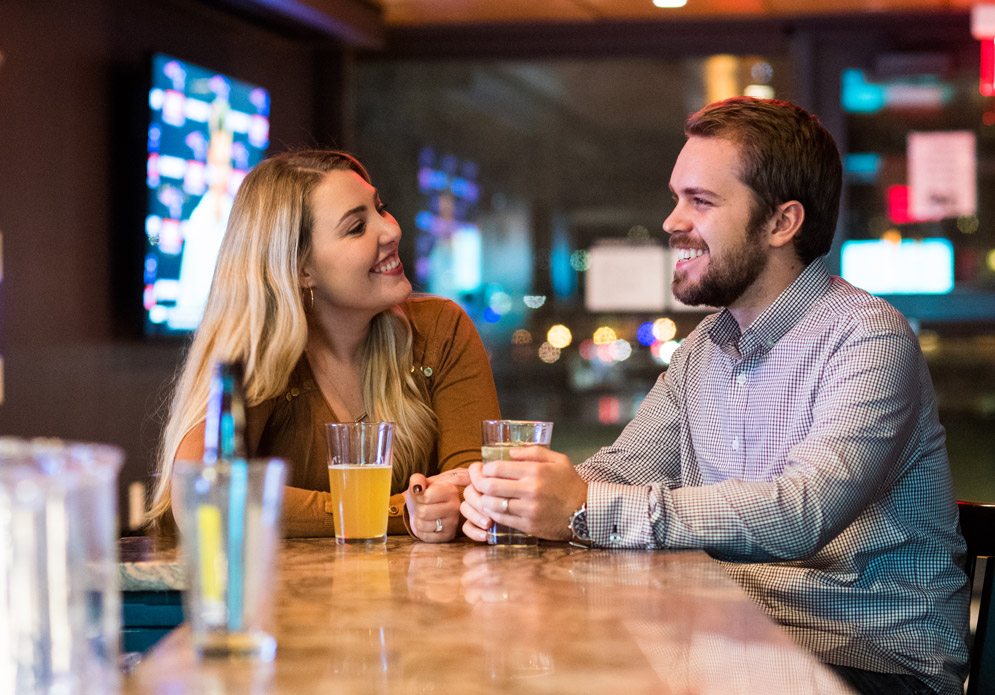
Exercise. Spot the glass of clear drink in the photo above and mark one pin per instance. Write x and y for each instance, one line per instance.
(498, 438)
(60, 602)
(360, 458)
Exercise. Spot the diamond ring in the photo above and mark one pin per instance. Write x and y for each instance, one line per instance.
(504, 506)
(438, 525)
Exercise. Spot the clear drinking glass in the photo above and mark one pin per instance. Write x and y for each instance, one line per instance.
(229, 538)
(60, 606)
(360, 459)
(498, 438)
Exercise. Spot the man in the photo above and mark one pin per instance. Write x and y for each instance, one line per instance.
(794, 435)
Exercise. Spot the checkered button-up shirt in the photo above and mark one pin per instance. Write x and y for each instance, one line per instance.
(806, 453)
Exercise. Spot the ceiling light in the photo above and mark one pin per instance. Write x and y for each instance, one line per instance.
(670, 3)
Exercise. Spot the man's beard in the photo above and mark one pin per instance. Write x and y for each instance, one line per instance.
(727, 279)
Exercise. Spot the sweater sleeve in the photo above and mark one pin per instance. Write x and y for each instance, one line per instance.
(460, 385)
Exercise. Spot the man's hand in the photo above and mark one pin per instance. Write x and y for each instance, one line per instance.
(535, 493)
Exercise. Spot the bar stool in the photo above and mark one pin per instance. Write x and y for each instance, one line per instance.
(977, 523)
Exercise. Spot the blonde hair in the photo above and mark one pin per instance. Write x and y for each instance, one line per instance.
(255, 314)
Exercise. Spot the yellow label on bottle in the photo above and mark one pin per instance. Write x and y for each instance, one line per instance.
(211, 553)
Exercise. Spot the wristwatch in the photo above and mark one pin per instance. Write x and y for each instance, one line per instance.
(578, 527)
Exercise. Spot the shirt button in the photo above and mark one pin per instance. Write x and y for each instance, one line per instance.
(615, 538)
(735, 444)
(741, 379)
(393, 510)
(427, 371)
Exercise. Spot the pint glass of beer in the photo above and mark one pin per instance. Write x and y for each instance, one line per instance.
(359, 469)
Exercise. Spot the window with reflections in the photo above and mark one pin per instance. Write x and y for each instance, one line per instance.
(919, 227)
(533, 193)
(920, 175)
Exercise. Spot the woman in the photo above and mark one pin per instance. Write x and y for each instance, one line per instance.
(309, 293)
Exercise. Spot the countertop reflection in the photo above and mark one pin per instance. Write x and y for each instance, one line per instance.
(411, 617)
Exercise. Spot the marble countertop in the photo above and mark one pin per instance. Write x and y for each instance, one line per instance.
(463, 618)
(149, 564)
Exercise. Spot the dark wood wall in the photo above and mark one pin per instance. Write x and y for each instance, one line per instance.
(73, 114)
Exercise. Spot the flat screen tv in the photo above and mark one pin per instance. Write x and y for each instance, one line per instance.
(206, 131)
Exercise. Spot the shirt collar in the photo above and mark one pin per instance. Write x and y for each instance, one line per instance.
(777, 319)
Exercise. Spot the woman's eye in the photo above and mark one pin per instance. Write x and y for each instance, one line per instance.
(381, 207)
(357, 229)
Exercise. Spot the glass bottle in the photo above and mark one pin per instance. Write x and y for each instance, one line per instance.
(224, 429)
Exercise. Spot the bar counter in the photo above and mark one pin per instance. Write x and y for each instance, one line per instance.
(463, 618)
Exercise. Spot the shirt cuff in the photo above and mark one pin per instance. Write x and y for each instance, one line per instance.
(618, 516)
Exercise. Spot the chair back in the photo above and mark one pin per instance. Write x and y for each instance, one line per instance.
(977, 523)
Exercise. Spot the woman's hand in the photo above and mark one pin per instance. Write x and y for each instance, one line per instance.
(433, 504)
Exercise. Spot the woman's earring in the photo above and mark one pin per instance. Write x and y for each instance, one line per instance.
(311, 290)
(308, 307)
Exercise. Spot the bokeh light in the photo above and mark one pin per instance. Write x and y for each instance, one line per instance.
(644, 334)
(534, 301)
(892, 235)
(580, 261)
(604, 335)
(620, 350)
(549, 353)
(929, 342)
(662, 352)
(990, 259)
(664, 329)
(967, 224)
(500, 303)
(587, 349)
(762, 72)
(521, 337)
(759, 91)
(609, 410)
(559, 336)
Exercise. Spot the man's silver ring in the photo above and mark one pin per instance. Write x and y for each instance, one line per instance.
(504, 506)
(438, 525)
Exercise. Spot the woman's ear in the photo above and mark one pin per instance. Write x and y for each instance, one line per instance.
(304, 277)
(788, 219)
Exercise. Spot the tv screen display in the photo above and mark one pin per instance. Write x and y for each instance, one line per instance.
(206, 131)
(923, 266)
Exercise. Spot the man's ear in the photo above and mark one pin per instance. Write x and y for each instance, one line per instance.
(787, 223)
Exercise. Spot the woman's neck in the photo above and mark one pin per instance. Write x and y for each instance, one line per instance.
(335, 354)
(339, 337)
